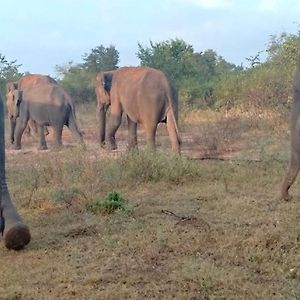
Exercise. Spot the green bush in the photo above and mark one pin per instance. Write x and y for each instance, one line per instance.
(112, 202)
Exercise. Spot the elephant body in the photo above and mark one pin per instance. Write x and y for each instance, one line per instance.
(15, 233)
(40, 99)
(145, 95)
(294, 163)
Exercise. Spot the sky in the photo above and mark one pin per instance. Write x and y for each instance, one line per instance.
(42, 34)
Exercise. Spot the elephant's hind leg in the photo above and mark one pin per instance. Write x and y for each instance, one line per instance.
(150, 130)
(294, 166)
(113, 125)
(132, 134)
(42, 139)
(173, 132)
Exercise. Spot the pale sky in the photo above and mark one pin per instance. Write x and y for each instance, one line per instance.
(43, 33)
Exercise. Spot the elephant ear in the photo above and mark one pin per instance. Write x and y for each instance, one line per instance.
(103, 87)
(11, 86)
(107, 79)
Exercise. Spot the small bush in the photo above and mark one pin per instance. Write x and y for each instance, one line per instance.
(112, 202)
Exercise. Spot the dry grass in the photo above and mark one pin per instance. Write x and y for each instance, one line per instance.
(229, 236)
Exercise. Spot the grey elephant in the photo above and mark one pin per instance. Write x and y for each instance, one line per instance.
(145, 95)
(42, 100)
(15, 233)
(294, 163)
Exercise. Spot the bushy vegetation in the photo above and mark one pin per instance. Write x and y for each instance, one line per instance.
(204, 79)
(9, 71)
(112, 202)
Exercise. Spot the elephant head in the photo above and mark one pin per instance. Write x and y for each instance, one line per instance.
(103, 86)
(13, 100)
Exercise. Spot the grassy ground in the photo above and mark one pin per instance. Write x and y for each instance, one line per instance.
(188, 229)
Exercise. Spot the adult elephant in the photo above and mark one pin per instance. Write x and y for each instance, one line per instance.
(42, 100)
(145, 96)
(15, 233)
(294, 163)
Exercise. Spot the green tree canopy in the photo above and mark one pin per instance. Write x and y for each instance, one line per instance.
(79, 79)
(101, 59)
(9, 71)
(194, 73)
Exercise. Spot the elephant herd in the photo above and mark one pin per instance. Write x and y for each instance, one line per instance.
(144, 94)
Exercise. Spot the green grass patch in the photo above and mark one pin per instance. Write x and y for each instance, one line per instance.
(112, 202)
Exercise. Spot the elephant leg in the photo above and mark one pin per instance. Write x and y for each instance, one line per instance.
(12, 130)
(132, 134)
(42, 140)
(291, 175)
(113, 125)
(72, 125)
(150, 135)
(173, 132)
(21, 125)
(58, 136)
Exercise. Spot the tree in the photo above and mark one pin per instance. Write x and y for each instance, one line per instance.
(79, 79)
(101, 59)
(9, 71)
(195, 73)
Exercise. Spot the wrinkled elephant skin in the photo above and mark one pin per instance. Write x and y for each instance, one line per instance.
(15, 233)
(145, 96)
(40, 99)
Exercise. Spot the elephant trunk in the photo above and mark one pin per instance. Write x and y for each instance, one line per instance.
(16, 234)
(12, 129)
(102, 120)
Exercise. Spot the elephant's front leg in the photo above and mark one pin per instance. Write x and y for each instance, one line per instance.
(20, 127)
(113, 125)
(12, 130)
(132, 134)
(42, 139)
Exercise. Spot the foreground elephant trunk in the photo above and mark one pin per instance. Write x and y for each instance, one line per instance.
(15, 233)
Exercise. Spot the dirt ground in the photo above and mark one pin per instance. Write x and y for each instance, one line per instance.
(222, 235)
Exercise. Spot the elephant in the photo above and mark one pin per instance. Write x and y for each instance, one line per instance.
(41, 99)
(294, 162)
(145, 95)
(15, 233)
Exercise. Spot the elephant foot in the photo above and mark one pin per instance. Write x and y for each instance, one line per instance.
(110, 147)
(17, 237)
(17, 147)
(42, 147)
(287, 197)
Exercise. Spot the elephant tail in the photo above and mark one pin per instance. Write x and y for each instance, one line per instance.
(72, 124)
(173, 127)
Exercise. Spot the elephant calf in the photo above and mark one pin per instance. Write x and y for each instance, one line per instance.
(16, 234)
(40, 99)
(145, 96)
(294, 164)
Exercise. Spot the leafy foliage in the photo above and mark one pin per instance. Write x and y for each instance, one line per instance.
(267, 84)
(112, 202)
(101, 59)
(79, 79)
(195, 74)
(9, 71)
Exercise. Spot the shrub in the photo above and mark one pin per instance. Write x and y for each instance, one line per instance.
(112, 202)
